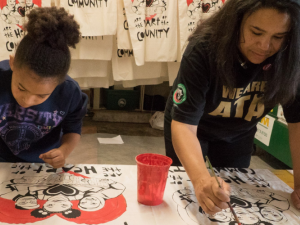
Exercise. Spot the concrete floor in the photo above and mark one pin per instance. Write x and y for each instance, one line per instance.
(138, 138)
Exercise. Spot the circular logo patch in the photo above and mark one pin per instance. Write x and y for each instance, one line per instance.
(179, 95)
(122, 102)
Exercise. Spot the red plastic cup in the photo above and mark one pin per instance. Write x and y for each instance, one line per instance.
(152, 174)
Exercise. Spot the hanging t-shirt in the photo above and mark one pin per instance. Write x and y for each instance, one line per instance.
(190, 12)
(173, 68)
(125, 69)
(95, 82)
(153, 29)
(89, 68)
(11, 23)
(152, 81)
(92, 73)
(93, 48)
(123, 37)
(96, 18)
(26, 133)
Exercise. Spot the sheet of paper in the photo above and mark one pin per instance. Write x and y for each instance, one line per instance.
(291, 171)
(107, 194)
(115, 140)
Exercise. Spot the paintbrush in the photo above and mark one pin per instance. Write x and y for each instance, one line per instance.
(230, 206)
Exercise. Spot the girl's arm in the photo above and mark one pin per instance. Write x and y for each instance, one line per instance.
(57, 157)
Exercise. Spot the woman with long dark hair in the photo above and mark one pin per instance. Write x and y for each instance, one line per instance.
(237, 66)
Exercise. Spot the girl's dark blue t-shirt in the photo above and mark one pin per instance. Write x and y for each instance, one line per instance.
(25, 133)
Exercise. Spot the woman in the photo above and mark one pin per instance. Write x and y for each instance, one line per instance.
(41, 108)
(238, 65)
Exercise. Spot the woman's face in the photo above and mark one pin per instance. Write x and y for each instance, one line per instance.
(28, 88)
(262, 34)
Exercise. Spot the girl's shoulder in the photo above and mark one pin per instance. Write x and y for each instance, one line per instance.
(5, 73)
(4, 65)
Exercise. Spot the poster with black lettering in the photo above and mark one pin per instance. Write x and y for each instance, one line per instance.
(95, 17)
(93, 48)
(107, 194)
(13, 16)
(257, 196)
(125, 69)
(123, 37)
(153, 29)
(190, 12)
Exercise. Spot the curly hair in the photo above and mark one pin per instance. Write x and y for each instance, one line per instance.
(221, 33)
(50, 32)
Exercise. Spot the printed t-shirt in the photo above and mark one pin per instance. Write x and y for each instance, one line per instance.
(26, 133)
(198, 99)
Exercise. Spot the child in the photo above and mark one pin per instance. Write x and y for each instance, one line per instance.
(41, 108)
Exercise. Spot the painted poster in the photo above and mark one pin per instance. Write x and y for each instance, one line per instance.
(153, 29)
(191, 12)
(13, 16)
(264, 130)
(93, 48)
(95, 17)
(107, 194)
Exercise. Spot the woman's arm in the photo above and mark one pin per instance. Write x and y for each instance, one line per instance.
(186, 144)
(294, 136)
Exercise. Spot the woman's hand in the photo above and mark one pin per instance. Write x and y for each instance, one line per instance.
(54, 157)
(210, 196)
(296, 198)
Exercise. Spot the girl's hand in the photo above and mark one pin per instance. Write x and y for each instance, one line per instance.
(54, 157)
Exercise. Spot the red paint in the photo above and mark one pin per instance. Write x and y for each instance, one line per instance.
(150, 17)
(205, 7)
(112, 209)
(76, 174)
(189, 2)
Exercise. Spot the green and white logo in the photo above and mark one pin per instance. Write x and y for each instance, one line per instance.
(179, 95)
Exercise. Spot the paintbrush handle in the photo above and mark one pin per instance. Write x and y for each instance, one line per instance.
(231, 209)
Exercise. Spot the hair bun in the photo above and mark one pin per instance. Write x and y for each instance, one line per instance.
(53, 26)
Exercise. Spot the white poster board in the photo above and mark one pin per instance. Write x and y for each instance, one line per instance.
(107, 194)
(264, 130)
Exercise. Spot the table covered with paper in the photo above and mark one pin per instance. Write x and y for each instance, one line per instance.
(107, 194)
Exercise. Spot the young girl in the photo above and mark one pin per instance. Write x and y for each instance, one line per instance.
(41, 108)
